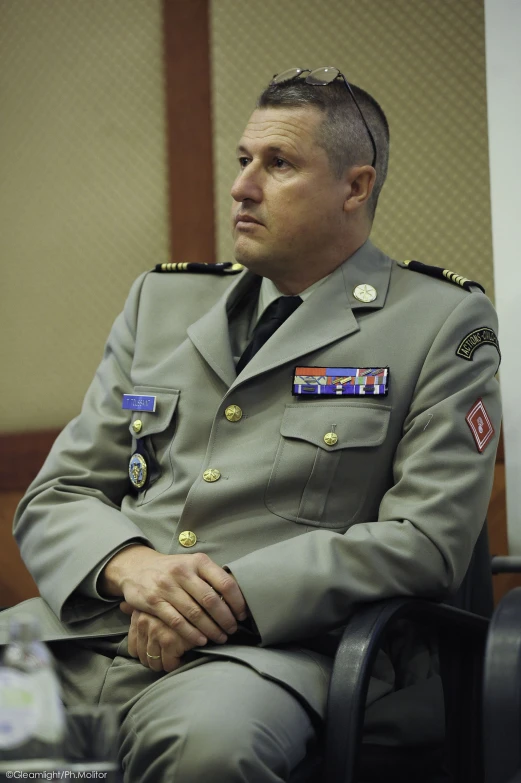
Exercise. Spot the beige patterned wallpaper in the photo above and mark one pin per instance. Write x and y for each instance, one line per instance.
(424, 61)
(82, 190)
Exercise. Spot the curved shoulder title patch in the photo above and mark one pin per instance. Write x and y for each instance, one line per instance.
(474, 340)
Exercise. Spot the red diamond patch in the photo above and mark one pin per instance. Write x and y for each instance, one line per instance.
(480, 424)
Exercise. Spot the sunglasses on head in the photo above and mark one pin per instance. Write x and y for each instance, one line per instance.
(320, 77)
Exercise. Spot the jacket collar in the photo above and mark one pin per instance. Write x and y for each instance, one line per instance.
(328, 315)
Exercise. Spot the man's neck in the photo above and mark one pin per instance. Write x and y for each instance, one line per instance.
(292, 285)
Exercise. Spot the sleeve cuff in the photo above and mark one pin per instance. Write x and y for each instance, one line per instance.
(89, 585)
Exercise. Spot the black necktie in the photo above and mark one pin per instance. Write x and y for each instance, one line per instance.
(273, 317)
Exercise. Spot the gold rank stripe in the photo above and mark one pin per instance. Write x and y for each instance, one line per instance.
(454, 278)
(171, 267)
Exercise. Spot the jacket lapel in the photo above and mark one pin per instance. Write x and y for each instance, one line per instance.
(210, 334)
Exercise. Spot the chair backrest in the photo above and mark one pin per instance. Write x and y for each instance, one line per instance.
(502, 692)
(461, 663)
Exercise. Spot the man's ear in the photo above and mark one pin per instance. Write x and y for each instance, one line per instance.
(360, 183)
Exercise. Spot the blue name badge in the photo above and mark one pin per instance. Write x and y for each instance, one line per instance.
(139, 402)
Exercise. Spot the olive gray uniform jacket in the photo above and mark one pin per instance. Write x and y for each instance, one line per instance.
(308, 529)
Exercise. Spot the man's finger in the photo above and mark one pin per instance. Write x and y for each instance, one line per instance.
(192, 633)
(171, 655)
(154, 657)
(148, 648)
(199, 613)
(132, 639)
(172, 663)
(157, 647)
(232, 594)
(231, 608)
(224, 583)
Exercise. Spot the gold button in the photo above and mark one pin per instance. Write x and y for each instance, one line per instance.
(187, 538)
(330, 438)
(233, 413)
(136, 425)
(365, 293)
(211, 474)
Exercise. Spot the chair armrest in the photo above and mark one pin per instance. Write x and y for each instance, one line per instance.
(502, 691)
(506, 564)
(458, 631)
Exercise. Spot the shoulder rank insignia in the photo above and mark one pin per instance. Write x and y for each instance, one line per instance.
(442, 274)
(228, 268)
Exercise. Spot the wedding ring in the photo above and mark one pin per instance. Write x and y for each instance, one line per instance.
(153, 657)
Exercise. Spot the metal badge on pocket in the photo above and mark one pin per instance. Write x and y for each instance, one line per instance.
(138, 470)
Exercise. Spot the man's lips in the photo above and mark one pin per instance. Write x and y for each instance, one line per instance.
(240, 218)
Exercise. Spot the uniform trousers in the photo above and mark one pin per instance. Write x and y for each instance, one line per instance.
(213, 719)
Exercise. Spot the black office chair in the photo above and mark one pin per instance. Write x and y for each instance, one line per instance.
(461, 628)
(502, 691)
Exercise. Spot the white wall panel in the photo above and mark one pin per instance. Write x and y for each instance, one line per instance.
(503, 50)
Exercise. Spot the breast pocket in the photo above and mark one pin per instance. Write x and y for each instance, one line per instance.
(325, 460)
(155, 431)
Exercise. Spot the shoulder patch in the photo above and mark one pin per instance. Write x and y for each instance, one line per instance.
(228, 268)
(475, 339)
(480, 425)
(442, 274)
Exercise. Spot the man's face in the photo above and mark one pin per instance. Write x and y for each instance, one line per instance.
(287, 187)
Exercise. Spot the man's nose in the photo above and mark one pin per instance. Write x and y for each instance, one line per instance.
(247, 186)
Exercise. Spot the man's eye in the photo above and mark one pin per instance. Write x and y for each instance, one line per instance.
(243, 162)
(280, 163)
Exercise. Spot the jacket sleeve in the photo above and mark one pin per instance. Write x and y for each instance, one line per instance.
(428, 521)
(70, 517)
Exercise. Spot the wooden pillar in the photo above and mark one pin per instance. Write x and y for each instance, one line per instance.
(189, 129)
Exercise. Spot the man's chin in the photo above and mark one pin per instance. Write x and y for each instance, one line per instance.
(249, 253)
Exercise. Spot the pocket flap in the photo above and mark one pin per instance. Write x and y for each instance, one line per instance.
(166, 401)
(355, 424)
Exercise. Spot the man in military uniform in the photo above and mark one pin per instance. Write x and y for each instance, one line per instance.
(260, 451)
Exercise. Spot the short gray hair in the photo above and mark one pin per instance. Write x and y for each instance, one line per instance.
(342, 134)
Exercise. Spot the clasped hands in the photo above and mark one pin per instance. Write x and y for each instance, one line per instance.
(176, 602)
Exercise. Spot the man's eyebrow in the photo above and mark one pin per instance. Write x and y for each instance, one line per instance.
(272, 148)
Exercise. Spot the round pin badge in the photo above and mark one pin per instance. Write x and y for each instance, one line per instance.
(365, 293)
(137, 470)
